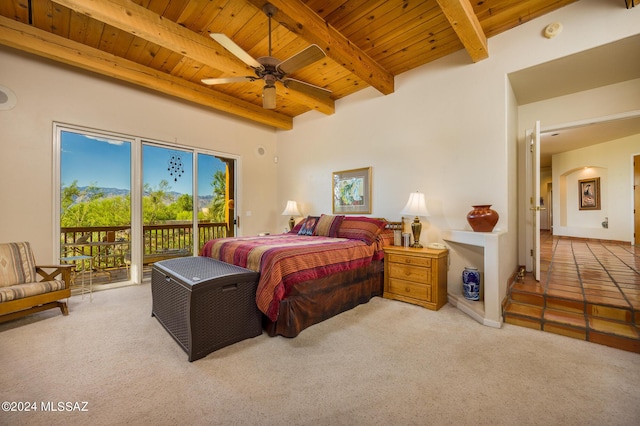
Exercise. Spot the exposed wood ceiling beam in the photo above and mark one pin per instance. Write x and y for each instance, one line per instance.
(466, 25)
(300, 19)
(134, 19)
(27, 38)
(141, 22)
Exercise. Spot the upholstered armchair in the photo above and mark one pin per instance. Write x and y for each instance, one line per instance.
(25, 287)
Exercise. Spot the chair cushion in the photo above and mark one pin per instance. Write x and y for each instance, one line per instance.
(20, 291)
(17, 264)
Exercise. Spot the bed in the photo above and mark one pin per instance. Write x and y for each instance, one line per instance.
(326, 265)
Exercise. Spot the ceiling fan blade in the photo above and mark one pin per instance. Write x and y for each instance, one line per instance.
(224, 80)
(309, 89)
(301, 59)
(236, 50)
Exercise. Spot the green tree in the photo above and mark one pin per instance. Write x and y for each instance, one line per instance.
(182, 208)
(154, 204)
(111, 211)
(217, 207)
(75, 204)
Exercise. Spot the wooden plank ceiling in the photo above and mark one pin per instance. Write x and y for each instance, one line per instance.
(164, 45)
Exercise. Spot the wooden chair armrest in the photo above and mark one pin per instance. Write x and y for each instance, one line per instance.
(55, 266)
(63, 270)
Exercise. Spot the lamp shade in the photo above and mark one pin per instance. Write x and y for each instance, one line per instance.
(291, 209)
(269, 97)
(416, 206)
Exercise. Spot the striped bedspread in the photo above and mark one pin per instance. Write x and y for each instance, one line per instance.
(287, 259)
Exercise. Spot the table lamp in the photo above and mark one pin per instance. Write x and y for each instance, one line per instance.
(416, 206)
(291, 210)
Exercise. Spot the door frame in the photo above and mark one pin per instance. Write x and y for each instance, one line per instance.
(532, 228)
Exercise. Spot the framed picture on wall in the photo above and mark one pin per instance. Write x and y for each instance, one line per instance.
(589, 194)
(351, 191)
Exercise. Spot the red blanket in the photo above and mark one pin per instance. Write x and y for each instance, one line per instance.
(287, 259)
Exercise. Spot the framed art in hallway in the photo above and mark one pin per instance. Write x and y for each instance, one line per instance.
(351, 191)
(589, 193)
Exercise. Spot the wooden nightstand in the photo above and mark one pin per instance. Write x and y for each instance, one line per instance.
(416, 275)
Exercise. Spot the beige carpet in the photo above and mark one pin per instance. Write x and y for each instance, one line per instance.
(384, 362)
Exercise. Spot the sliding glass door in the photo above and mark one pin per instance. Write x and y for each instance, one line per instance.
(216, 197)
(167, 203)
(95, 202)
(125, 203)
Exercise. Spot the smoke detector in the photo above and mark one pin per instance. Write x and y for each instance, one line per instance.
(553, 30)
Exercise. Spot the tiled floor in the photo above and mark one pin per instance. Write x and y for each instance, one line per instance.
(588, 289)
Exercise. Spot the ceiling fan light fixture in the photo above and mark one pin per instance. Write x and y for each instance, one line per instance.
(269, 97)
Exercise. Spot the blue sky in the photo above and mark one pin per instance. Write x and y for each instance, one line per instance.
(107, 163)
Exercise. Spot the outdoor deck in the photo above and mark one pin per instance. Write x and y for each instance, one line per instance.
(106, 250)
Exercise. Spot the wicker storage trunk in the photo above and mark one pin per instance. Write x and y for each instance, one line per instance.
(205, 304)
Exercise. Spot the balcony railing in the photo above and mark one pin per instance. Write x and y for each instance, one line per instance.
(109, 247)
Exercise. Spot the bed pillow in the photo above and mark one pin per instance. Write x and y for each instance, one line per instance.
(309, 225)
(328, 225)
(361, 228)
(298, 226)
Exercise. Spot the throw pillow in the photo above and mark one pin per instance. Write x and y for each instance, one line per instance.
(309, 225)
(298, 226)
(328, 225)
(361, 228)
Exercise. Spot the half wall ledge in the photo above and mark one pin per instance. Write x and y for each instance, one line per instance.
(480, 250)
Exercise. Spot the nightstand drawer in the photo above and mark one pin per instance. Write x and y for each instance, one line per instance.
(416, 275)
(409, 260)
(410, 289)
(409, 272)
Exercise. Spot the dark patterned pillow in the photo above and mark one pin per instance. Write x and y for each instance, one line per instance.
(309, 225)
(298, 226)
(328, 225)
(361, 228)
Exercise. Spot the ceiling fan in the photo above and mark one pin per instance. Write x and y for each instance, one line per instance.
(271, 69)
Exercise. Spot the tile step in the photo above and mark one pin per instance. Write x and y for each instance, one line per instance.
(613, 311)
(623, 335)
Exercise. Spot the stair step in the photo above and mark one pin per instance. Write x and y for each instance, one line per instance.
(612, 332)
(528, 298)
(517, 308)
(610, 312)
(523, 315)
(588, 289)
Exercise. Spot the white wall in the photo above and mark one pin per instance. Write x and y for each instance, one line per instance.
(590, 104)
(449, 130)
(612, 162)
(47, 92)
(579, 107)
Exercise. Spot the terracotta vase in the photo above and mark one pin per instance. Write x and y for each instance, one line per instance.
(482, 218)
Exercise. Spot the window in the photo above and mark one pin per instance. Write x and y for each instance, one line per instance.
(125, 227)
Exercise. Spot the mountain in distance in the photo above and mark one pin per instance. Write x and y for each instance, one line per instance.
(203, 200)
